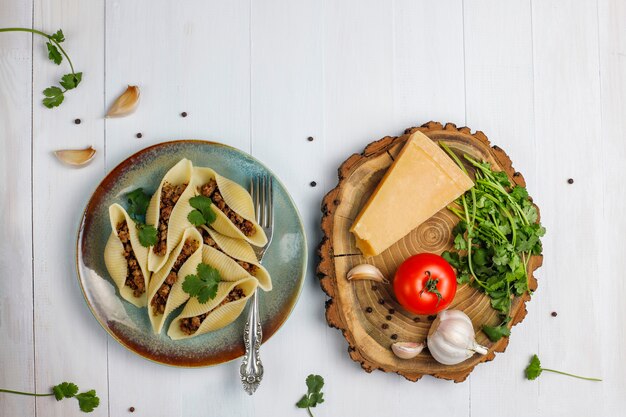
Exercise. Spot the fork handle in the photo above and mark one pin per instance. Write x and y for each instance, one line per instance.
(251, 369)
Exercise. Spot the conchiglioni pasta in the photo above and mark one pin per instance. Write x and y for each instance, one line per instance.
(233, 206)
(168, 211)
(197, 318)
(125, 258)
(241, 252)
(165, 293)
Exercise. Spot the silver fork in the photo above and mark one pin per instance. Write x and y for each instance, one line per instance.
(251, 369)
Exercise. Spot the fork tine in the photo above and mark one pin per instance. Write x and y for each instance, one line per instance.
(270, 204)
(263, 203)
(255, 196)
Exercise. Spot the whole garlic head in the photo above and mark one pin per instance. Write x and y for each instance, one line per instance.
(451, 338)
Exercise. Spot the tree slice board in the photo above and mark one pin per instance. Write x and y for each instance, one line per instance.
(370, 334)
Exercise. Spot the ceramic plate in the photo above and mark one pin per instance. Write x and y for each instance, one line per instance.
(285, 259)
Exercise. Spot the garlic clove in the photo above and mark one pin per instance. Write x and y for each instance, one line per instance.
(75, 157)
(407, 350)
(366, 272)
(126, 103)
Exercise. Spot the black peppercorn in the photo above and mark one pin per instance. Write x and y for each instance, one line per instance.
(432, 317)
(394, 336)
(369, 309)
(381, 301)
(388, 317)
(313, 183)
(570, 181)
(416, 319)
(77, 121)
(139, 135)
(184, 114)
(131, 409)
(310, 138)
(554, 314)
(391, 311)
(385, 326)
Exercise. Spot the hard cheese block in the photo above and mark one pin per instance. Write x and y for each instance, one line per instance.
(422, 180)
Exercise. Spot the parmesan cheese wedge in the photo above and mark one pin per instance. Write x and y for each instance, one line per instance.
(420, 182)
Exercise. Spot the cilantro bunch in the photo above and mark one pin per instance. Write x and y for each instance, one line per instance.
(203, 214)
(314, 395)
(54, 95)
(138, 202)
(497, 234)
(87, 401)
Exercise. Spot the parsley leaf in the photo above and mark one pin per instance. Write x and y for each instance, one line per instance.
(54, 97)
(88, 401)
(203, 285)
(71, 81)
(314, 395)
(147, 235)
(64, 390)
(58, 36)
(53, 53)
(534, 370)
(495, 333)
(138, 202)
(203, 214)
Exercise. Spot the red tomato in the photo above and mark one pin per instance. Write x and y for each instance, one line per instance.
(425, 284)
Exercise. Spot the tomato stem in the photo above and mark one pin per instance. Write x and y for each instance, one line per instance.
(431, 287)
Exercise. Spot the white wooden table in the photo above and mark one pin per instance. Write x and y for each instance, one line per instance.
(544, 79)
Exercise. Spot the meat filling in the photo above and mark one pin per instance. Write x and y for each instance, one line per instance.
(211, 190)
(206, 237)
(134, 277)
(169, 197)
(191, 324)
(160, 298)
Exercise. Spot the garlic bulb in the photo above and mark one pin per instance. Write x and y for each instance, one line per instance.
(407, 350)
(451, 338)
(366, 272)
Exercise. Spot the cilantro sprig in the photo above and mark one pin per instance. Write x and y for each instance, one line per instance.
(87, 401)
(138, 202)
(203, 214)
(314, 395)
(202, 285)
(497, 234)
(534, 369)
(53, 95)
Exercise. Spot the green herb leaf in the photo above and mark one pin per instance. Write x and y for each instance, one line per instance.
(58, 36)
(196, 218)
(71, 81)
(314, 395)
(203, 285)
(53, 53)
(533, 370)
(88, 401)
(138, 202)
(64, 390)
(202, 205)
(495, 333)
(147, 235)
(54, 97)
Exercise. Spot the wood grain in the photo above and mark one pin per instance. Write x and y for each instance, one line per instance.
(370, 335)
(17, 361)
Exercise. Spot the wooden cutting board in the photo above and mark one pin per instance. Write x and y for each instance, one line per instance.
(366, 312)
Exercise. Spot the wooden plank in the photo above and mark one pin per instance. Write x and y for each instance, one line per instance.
(16, 296)
(287, 107)
(610, 309)
(568, 145)
(194, 59)
(499, 87)
(70, 345)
